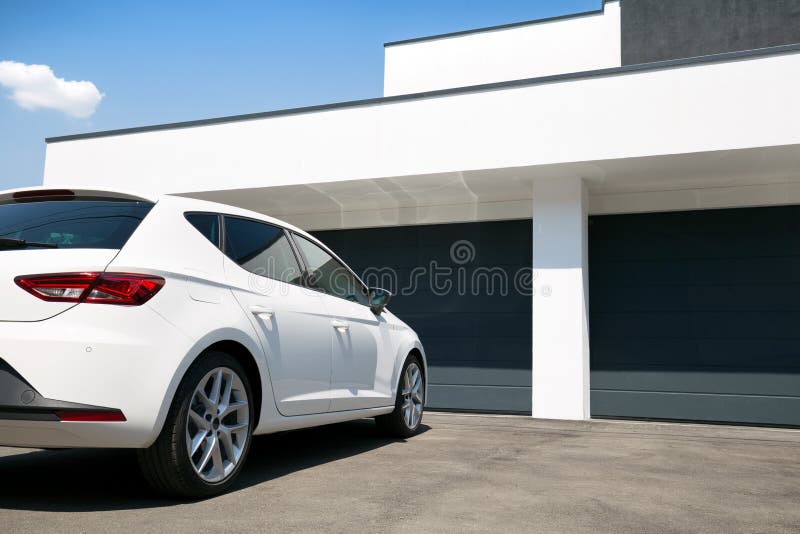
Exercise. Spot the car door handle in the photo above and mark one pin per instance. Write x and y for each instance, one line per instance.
(341, 326)
(261, 311)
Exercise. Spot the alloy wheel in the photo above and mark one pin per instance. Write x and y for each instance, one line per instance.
(413, 395)
(217, 426)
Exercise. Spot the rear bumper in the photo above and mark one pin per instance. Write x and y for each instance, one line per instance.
(91, 359)
(19, 401)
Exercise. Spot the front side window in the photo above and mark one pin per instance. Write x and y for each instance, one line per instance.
(70, 223)
(326, 274)
(262, 249)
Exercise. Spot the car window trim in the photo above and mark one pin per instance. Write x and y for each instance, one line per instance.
(222, 235)
(301, 260)
(300, 264)
(337, 260)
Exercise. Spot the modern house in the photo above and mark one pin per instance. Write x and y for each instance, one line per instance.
(595, 215)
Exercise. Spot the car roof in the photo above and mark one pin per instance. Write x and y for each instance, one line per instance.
(184, 202)
(188, 203)
(191, 203)
(43, 192)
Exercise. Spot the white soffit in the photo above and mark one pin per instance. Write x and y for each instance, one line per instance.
(759, 176)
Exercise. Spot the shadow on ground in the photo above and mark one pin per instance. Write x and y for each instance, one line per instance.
(88, 480)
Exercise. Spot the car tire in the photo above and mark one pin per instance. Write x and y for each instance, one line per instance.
(406, 419)
(197, 455)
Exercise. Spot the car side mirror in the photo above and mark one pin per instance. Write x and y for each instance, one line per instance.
(378, 299)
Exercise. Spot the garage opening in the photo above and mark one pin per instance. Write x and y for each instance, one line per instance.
(696, 315)
(462, 287)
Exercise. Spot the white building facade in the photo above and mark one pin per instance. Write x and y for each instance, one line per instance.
(589, 216)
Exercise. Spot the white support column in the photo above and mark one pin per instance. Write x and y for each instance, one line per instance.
(561, 299)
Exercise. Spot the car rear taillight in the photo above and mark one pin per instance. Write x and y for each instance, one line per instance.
(128, 289)
(97, 288)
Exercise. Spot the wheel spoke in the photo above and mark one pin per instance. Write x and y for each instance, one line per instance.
(230, 408)
(236, 427)
(216, 388)
(207, 452)
(204, 400)
(226, 395)
(198, 420)
(217, 467)
(198, 440)
(226, 440)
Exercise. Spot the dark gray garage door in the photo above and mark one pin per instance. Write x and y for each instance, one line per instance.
(696, 315)
(477, 335)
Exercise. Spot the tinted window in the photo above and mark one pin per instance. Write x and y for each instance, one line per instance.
(207, 224)
(261, 249)
(328, 275)
(74, 223)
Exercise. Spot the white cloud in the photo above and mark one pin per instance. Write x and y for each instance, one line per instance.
(36, 86)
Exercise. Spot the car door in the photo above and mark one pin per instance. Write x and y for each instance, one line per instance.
(361, 345)
(291, 320)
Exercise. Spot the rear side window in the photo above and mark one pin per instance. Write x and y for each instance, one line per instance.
(207, 224)
(261, 249)
(74, 223)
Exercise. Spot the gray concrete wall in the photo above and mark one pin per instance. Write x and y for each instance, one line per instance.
(655, 30)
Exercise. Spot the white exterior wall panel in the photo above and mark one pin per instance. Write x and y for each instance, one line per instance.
(544, 48)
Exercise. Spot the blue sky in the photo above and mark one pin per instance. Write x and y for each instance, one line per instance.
(158, 61)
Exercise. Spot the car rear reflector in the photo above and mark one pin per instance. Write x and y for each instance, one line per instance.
(90, 416)
(123, 289)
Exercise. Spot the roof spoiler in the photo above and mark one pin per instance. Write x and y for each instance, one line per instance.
(40, 194)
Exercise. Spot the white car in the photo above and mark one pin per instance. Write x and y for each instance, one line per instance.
(181, 328)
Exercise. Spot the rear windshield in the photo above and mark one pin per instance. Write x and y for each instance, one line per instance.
(73, 224)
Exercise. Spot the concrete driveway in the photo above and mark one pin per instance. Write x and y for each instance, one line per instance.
(464, 473)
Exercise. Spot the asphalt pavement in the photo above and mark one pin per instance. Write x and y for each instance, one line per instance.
(464, 473)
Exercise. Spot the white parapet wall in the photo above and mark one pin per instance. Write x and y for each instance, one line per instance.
(540, 48)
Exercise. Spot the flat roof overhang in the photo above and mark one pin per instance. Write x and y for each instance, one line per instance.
(662, 128)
